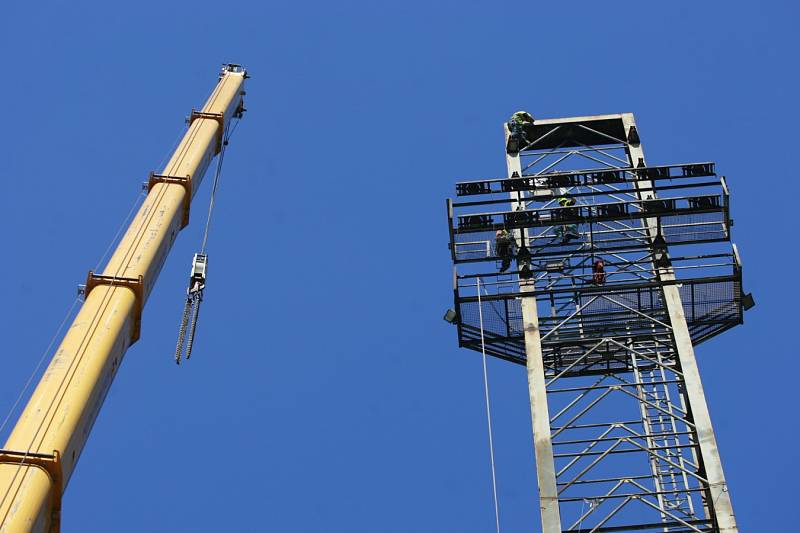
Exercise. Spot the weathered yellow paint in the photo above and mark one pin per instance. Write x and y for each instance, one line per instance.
(63, 408)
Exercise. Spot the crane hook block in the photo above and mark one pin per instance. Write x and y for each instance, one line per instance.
(197, 278)
(191, 310)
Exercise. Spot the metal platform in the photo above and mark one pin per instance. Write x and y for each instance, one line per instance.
(595, 130)
(710, 307)
(692, 209)
(623, 436)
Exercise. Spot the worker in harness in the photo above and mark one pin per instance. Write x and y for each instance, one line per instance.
(504, 245)
(517, 138)
(524, 262)
(599, 272)
(567, 232)
(565, 201)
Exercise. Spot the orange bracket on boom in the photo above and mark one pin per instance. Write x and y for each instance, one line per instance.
(51, 464)
(219, 117)
(185, 181)
(134, 284)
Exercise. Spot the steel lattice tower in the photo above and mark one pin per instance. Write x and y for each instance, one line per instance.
(622, 433)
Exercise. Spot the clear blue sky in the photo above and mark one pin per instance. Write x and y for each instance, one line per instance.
(325, 392)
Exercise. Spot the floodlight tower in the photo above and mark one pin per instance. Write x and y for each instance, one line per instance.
(629, 267)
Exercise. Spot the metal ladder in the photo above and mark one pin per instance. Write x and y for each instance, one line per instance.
(661, 430)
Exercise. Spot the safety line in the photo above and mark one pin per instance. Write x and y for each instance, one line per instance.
(22, 394)
(94, 323)
(119, 230)
(77, 359)
(66, 379)
(488, 413)
(171, 151)
(39, 364)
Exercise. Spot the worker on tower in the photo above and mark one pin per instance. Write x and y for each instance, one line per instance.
(504, 245)
(524, 262)
(567, 232)
(599, 272)
(565, 201)
(516, 127)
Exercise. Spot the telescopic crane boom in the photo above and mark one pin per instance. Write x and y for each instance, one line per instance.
(40, 454)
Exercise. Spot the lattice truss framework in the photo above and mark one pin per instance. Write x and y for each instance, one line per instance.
(625, 452)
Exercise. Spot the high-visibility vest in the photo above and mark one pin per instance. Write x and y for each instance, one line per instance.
(565, 202)
(521, 117)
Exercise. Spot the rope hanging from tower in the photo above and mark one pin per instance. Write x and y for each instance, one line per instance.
(488, 412)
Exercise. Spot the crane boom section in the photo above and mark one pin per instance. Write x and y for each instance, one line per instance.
(62, 409)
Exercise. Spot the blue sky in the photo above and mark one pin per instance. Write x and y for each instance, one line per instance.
(325, 393)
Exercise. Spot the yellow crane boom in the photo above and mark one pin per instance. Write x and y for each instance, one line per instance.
(40, 454)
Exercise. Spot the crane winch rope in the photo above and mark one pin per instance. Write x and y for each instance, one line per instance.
(197, 276)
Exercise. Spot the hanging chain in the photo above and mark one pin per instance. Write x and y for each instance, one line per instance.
(195, 314)
(182, 331)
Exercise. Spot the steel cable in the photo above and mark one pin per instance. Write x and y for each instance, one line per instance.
(488, 412)
(217, 174)
(119, 230)
(39, 364)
